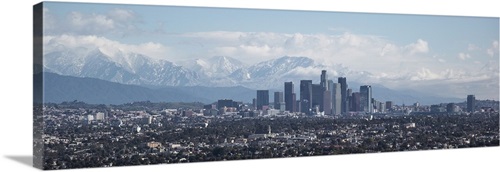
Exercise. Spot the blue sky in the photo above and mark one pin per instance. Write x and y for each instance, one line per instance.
(460, 53)
(399, 28)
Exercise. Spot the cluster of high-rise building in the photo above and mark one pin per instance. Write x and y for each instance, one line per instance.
(327, 97)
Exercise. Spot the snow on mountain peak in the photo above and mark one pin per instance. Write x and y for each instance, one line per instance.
(217, 66)
(134, 68)
(126, 68)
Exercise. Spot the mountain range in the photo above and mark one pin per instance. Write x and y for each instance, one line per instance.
(128, 68)
(125, 77)
(59, 88)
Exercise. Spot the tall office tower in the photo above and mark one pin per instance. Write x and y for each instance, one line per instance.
(355, 101)
(305, 96)
(471, 103)
(289, 97)
(366, 98)
(381, 107)
(326, 96)
(374, 105)
(262, 99)
(336, 97)
(323, 80)
(343, 94)
(332, 99)
(388, 105)
(317, 96)
(348, 99)
(279, 100)
(298, 106)
(327, 102)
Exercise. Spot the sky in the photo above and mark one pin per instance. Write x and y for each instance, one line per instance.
(446, 55)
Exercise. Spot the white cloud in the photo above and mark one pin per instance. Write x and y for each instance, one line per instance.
(116, 21)
(472, 47)
(387, 63)
(49, 20)
(359, 52)
(493, 49)
(420, 46)
(301, 72)
(463, 56)
(108, 47)
(447, 82)
(425, 74)
(449, 75)
(259, 50)
(90, 23)
(393, 65)
(216, 37)
(254, 47)
(388, 48)
(352, 40)
(122, 15)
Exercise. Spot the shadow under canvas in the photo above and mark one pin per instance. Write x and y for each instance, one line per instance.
(23, 159)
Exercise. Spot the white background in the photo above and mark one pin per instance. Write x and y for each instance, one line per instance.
(16, 93)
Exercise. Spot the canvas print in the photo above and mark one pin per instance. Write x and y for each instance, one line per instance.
(120, 85)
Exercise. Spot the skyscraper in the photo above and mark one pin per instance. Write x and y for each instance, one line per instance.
(471, 103)
(294, 104)
(327, 102)
(348, 99)
(305, 96)
(381, 107)
(326, 96)
(388, 105)
(355, 101)
(343, 94)
(336, 97)
(366, 98)
(279, 101)
(262, 98)
(298, 103)
(317, 96)
(323, 80)
(289, 97)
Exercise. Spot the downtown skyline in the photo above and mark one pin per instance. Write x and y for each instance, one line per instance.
(429, 54)
(326, 97)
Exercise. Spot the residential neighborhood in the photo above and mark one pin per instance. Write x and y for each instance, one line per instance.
(78, 135)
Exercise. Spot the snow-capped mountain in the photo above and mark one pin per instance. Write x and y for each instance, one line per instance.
(226, 71)
(93, 64)
(123, 68)
(217, 72)
(279, 67)
(267, 73)
(218, 66)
